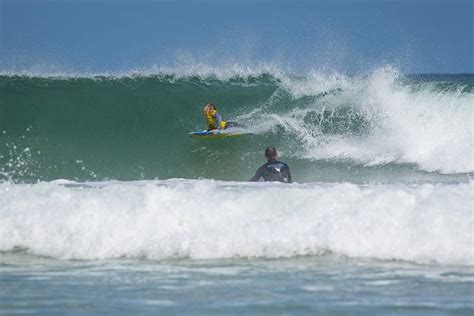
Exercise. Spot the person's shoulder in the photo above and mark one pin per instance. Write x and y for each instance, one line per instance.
(262, 167)
(283, 163)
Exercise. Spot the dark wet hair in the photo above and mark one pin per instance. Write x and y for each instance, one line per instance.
(270, 152)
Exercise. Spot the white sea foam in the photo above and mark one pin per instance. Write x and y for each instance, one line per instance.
(429, 127)
(208, 219)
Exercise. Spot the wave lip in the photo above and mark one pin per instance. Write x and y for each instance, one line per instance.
(181, 219)
(179, 71)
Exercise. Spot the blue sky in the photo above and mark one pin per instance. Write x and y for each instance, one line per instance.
(346, 36)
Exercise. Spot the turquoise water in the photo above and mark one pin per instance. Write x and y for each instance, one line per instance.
(379, 127)
(108, 207)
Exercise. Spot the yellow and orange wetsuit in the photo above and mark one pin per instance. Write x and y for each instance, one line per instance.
(214, 120)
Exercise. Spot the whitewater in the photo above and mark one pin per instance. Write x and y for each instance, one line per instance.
(100, 186)
(173, 219)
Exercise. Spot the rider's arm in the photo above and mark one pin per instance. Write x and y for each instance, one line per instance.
(218, 120)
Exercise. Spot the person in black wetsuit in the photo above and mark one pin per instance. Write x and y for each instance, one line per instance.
(273, 170)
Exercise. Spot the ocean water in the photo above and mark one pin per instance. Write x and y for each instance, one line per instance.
(106, 206)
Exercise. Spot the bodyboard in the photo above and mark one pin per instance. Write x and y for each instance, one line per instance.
(210, 135)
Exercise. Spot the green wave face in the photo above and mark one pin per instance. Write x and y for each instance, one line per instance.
(132, 128)
(106, 128)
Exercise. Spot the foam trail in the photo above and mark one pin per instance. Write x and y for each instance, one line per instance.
(180, 218)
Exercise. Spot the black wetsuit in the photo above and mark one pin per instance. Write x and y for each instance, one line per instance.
(273, 170)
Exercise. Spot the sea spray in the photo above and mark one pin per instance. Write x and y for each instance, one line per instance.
(379, 120)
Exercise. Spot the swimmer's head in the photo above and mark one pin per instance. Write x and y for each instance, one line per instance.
(270, 152)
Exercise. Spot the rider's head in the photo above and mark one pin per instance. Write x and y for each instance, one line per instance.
(209, 107)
